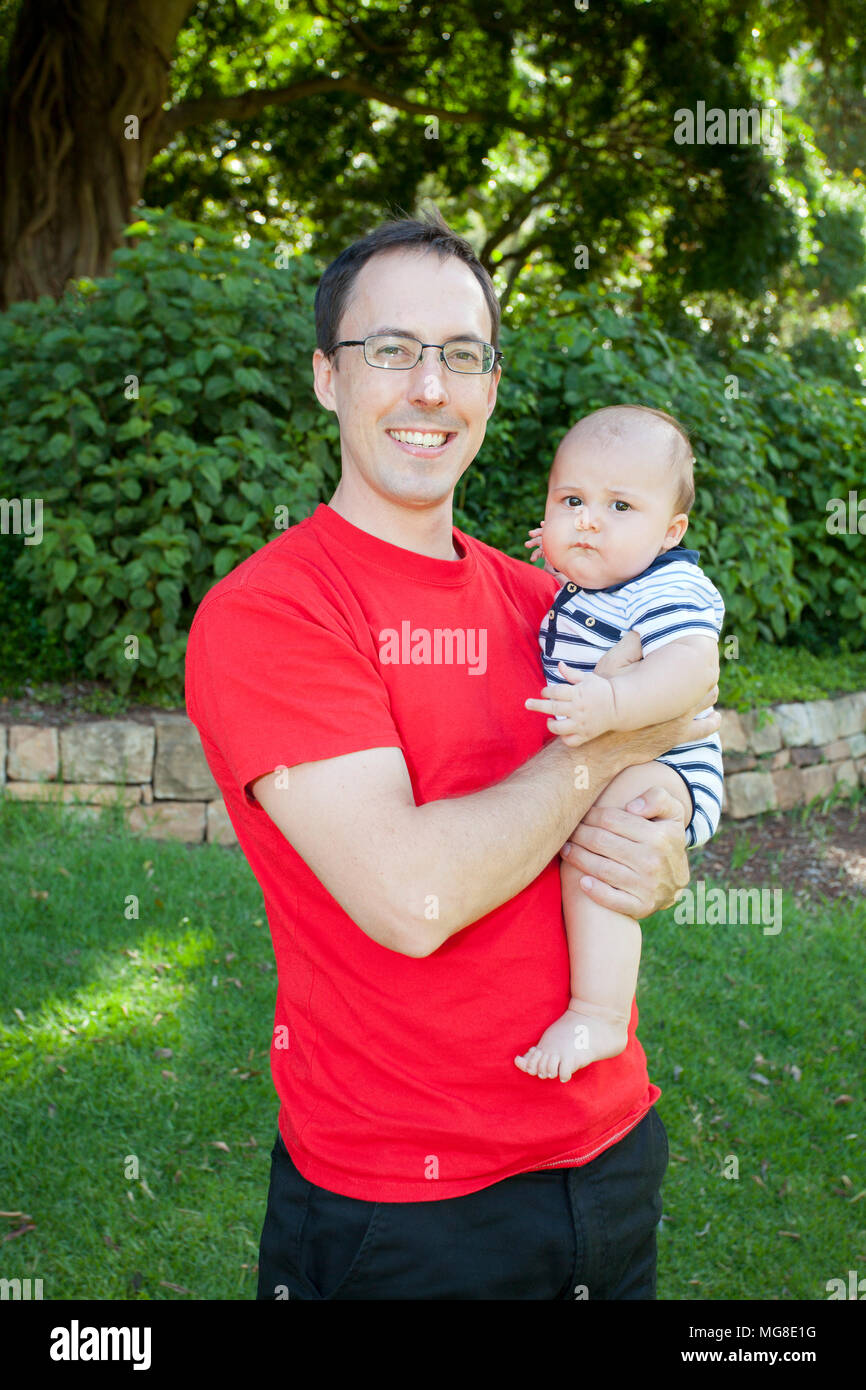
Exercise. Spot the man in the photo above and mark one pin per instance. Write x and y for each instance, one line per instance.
(359, 687)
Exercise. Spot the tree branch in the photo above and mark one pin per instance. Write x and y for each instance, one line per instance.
(517, 215)
(204, 110)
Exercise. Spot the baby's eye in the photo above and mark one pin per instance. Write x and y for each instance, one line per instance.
(573, 499)
(622, 505)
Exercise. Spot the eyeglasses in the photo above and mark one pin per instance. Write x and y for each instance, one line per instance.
(393, 352)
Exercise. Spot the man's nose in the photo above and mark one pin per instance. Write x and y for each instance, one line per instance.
(429, 381)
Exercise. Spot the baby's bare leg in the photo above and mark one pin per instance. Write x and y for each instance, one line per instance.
(604, 953)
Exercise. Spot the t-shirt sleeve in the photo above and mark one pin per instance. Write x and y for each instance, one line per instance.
(682, 605)
(272, 682)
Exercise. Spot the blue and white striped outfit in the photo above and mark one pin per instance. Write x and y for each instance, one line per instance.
(672, 598)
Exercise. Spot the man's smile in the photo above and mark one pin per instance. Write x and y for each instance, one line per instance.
(418, 442)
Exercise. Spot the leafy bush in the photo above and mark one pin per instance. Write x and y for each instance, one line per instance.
(164, 415)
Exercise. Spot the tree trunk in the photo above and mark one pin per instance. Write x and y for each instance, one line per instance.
(80, 105)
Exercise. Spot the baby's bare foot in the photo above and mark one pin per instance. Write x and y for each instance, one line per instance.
(584, 1034)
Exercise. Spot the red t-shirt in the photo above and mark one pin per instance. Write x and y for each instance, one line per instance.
(398, 1083)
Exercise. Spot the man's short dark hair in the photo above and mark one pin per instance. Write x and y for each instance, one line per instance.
(430, 232)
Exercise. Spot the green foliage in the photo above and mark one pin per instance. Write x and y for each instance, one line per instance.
(768, 459)
(773, 675)
(163, 416)
(153, 494)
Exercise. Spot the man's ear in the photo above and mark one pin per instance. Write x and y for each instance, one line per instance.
(323, 379)
(494, 383)
(677, 528)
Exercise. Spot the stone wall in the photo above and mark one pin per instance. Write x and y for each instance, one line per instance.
(785, 756)
(775, 759)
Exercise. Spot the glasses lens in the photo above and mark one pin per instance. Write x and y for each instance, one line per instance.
(387, 350)
(468, 356)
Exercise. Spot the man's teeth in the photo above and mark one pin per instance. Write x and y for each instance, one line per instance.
(430, 441)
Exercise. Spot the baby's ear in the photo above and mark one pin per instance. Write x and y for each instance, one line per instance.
(677, 527)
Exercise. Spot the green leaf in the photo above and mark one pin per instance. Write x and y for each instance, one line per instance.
(64, 572)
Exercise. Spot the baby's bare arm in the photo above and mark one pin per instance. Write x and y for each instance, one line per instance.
(665, 683)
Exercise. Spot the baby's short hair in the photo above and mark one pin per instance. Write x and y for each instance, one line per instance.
(681, 455)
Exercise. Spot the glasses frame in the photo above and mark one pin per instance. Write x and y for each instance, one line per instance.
(362, 342)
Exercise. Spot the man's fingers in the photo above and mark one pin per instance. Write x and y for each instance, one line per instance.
(655, 804)
(613, 898)
(599, 866)
(603, 825)
(703, 728)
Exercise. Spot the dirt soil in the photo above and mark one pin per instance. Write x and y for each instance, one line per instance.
(812, 856)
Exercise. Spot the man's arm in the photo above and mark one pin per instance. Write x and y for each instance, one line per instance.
(392, 865)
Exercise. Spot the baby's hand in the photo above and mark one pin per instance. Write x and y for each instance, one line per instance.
(581, 710)
(535, 540)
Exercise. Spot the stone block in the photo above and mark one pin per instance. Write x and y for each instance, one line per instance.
(794, 725)
(107, 751)
(817, 781)
(738, 762)
(33, 753)
(748, 794)
(851, 713)
(90, 793)
(835, 752)
(857, 744)
(763, 731)
(180, 770)
(804, 757)
(780, 759)
(169, 820)
(220, 830)
(845, 773)
(788, 786)
(732, 733)
(3, 741)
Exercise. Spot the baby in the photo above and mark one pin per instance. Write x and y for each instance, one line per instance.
(618, 500)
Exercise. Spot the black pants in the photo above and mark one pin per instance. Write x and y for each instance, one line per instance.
(557, 1233)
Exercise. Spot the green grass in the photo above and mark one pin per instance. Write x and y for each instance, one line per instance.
(90, 998)
(721, 1005)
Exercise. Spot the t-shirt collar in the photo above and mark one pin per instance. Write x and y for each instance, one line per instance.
(406, 564)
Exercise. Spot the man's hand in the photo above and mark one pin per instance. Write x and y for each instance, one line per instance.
(635, 860)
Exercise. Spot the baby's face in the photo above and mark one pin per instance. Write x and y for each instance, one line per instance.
(610, 507)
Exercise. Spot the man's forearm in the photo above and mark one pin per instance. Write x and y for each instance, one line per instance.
(468, 855)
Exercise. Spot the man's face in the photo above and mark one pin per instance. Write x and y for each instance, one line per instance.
(434, 300)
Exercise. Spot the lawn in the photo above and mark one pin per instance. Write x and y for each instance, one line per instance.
(139, 1111)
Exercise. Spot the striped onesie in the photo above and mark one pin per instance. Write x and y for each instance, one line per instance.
(672, 598)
